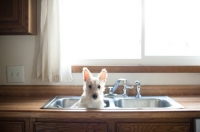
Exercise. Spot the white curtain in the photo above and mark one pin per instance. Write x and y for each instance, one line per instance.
(51, 67)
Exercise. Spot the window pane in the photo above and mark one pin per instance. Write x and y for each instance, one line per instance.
(172, 27)
(101, 29)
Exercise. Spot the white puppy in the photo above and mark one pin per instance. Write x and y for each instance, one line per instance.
(93, 89)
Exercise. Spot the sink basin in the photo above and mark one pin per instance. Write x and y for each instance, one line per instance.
(65, 102)
(145, 102)
(60, 102)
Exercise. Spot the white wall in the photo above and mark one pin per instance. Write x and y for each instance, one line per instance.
(23, 49)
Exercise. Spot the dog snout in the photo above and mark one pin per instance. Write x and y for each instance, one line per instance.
(94, 96)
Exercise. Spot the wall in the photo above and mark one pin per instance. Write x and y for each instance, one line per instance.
(23, 49)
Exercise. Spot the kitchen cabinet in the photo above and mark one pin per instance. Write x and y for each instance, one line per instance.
(14, 125)
(96, 125)
(112, 125)
(153, 127)
(70, 127)
(18, 17)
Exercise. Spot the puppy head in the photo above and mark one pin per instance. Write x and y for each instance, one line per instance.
(94, 86)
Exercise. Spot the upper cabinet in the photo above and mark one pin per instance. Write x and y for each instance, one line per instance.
(18, 17)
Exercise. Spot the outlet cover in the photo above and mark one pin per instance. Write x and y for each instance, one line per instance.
(15, 74)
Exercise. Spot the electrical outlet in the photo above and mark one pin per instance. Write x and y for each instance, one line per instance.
(15, 74)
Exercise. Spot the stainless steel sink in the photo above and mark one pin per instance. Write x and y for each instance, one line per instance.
(65, 102)
(60, 102)
(148, 102)
(151, 102)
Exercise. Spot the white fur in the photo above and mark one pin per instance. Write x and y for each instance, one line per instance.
(90, 89)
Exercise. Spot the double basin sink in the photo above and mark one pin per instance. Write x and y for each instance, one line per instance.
(144, 102)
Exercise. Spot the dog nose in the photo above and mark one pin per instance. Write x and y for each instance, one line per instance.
(94, 96)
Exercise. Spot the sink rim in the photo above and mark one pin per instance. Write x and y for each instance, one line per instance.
(175, 105)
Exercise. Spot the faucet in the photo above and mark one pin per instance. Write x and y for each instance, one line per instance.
(117, 83)
(137, 83)
(114, 88)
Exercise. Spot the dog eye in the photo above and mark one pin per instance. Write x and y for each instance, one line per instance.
(99, 86)
(90, 86)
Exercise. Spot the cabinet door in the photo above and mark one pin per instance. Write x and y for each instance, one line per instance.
(18, 17)
(14, 124)
(153, 127)
(70, 127)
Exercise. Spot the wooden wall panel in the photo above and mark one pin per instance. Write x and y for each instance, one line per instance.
(140, 69)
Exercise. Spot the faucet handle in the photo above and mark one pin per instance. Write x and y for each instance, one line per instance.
(138, 89)
(125, 89)
(137, 82)
(129, 86)
(110, 90)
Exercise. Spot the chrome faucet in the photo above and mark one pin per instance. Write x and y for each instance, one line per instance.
(114, 88)
(137, 83)
(117, 83)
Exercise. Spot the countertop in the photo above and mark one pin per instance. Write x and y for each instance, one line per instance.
(25, 102)
(30, 107)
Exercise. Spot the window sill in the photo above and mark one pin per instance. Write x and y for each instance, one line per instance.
(140, 69)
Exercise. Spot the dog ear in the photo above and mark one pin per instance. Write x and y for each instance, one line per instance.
(86, 74)
(103, 75)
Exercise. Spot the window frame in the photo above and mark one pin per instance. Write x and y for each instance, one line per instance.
(165, 63)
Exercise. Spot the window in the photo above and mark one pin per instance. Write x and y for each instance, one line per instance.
(172, 26)
(102, 29)
(131, 32)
